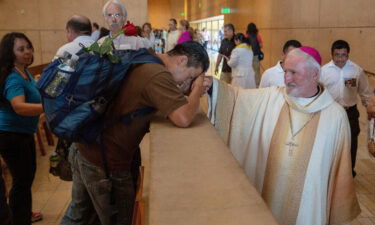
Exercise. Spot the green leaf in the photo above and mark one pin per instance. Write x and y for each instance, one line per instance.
(105, 49)
(113, 58)
(107, 41)
(95, 47)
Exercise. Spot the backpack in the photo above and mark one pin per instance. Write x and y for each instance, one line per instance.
(77, 113)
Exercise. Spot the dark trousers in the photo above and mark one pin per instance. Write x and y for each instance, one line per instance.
(5, 216)
(136, 163)
(353, 116)
(18, 151)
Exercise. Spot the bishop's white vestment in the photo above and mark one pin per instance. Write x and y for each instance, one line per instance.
(296, 155)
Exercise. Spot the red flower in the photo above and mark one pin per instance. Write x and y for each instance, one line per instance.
(130, 29)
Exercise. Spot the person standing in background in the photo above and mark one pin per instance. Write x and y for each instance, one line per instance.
(20, 107)
(256, 44)
(173, 35)
(226, 47)
(240, 61)
(148, 33)
(345, 81)
(274, 76)
(206, 37)
(78, 30)
(186, 34)
(95, 32)
(114, 13)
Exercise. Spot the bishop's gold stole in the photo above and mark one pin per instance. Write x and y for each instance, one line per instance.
(287, 163)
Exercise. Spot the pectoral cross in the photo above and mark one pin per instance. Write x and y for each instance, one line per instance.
(291, 145)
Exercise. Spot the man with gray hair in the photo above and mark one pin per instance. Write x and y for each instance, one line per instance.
(115, 16)
(293, 143)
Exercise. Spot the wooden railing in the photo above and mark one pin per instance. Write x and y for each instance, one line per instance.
(369, 73)
(38, 69)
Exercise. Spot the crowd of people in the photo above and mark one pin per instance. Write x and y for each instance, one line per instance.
(293, 97)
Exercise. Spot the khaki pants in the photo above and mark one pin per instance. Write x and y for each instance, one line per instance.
(226, 76)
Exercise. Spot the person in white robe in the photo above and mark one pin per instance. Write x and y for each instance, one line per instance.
(240, 61)
(293, 143)
(274, 76)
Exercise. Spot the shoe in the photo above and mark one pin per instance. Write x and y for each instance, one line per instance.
(36, 216)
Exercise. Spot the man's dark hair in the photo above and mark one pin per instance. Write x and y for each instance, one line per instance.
(80, 25)
(340, 44)
(174, 21)
(195, 52)
(293, 43)
(230, 26)
(96, 26)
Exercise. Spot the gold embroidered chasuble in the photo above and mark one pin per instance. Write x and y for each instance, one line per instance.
(287, 163)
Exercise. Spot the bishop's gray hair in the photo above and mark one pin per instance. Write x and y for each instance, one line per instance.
(117, 2)
(310, 62)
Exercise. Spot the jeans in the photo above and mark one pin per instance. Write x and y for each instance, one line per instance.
(18, 151)
(92, 193)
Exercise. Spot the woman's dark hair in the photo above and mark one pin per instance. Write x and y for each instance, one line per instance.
(241, 37)
(251, 29)
(185, 23)
(146, 24)
(7, 57)
(139, 31)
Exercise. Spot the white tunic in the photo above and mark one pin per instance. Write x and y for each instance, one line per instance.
(241, 60)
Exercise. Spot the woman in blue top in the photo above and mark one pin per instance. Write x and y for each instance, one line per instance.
(20, 107)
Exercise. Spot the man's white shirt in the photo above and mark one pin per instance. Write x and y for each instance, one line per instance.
(273, 76)
(345, 83)
(123, 42)
(74, 46)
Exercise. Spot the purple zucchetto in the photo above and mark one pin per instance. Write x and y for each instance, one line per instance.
(313, 53)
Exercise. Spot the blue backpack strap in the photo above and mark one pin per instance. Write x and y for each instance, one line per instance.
(126, 119)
